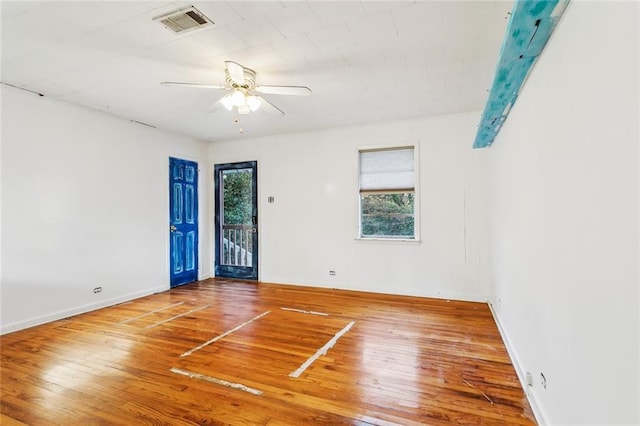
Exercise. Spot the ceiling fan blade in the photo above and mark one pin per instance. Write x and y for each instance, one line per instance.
(284, 90)
(236, 72)
(269, 107)
(195, 85)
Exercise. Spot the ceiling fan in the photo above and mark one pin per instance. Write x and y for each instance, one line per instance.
(244, 94)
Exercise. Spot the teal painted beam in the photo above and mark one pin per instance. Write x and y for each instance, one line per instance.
(529, 30)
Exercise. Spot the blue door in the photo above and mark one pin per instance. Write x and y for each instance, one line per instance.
(236, 217)
(183, 226)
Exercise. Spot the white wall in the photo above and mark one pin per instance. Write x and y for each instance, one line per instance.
(311, 227)
(84, 204)
(564, 219)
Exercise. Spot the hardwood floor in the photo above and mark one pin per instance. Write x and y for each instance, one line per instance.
(225, 352)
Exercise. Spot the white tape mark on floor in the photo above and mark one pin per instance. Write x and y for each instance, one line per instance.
(322, 351)
(149, 313)
(305, 312)
(226, 333)
(238, 386)
(177, 316)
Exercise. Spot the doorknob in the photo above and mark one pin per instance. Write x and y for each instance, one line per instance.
(173, 228)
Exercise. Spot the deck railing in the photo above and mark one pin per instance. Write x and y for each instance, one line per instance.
(237, 245)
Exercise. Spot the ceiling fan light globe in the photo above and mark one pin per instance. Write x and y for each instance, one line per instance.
(253, 102)
(227, 102)
(244, 109)
(238, 98)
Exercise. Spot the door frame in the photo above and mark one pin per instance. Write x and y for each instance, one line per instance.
(230, 271)
(173, 280)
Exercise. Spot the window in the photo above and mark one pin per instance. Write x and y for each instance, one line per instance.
(387, 193)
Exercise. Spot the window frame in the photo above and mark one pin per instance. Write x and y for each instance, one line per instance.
(415, 145)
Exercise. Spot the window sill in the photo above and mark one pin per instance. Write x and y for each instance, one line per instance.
(389, 240)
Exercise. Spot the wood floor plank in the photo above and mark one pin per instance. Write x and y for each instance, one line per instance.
(8, 421)
(405, 360)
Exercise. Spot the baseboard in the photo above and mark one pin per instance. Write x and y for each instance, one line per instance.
(520, 371)
(461, 297)
(21, 325)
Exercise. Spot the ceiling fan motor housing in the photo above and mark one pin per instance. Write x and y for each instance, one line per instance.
(249, 79)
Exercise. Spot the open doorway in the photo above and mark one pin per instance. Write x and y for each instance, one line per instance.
(236, 220)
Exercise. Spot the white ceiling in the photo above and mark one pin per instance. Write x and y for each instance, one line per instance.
(366, 61)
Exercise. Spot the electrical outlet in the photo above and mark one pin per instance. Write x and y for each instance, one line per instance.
(529, 379)
(97, 289)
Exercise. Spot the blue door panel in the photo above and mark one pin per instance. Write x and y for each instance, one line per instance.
(189, 204)
(183, 209)
(191, 248)
(178, 206)
(178, 172)
(190, 174)
(177, 250)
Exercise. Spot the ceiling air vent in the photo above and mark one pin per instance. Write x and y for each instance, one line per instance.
(184, 20)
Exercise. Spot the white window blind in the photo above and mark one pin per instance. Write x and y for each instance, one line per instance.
(389, 169)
